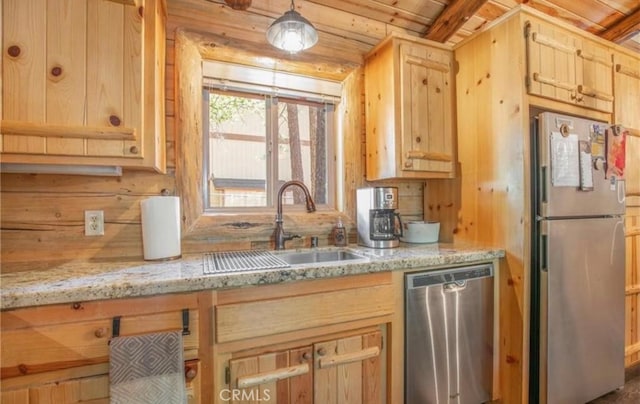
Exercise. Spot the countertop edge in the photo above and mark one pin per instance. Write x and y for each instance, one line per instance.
(89, 281)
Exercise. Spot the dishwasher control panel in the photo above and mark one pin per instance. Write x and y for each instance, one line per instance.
(449, 275)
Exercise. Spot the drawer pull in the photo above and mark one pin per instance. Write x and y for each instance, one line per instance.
(420, 155)
(337, 360)
(272, 376)
(592, 92)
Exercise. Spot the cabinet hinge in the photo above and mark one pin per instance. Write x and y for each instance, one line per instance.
(527, 29)
(381, 342)
(527, 81)
(227, 375)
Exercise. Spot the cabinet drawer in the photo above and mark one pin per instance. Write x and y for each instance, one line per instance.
(57, 337)
(267, 317)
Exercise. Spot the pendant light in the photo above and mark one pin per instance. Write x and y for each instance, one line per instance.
(292, 32)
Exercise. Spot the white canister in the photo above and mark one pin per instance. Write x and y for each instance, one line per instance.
(161, 227)
(420, 232)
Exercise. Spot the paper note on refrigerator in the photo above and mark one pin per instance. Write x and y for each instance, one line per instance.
(565, 160)
(586, 166)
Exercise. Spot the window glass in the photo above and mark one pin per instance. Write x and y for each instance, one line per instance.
(257, 142)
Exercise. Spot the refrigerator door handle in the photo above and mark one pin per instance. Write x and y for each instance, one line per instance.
(543, 184)
(543, 253)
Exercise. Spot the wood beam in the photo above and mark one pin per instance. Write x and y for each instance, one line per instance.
(452, 18)
(623, 28)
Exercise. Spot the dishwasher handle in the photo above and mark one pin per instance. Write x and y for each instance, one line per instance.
(455, 286)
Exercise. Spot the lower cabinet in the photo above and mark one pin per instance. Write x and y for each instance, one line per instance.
(340, 370)
(318, 341)
(59, 354)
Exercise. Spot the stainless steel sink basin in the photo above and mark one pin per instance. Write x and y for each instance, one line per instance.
(314, 257)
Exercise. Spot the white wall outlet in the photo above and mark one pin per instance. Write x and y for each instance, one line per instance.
(94, 223)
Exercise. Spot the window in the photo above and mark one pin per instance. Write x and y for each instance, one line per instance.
(257, 138)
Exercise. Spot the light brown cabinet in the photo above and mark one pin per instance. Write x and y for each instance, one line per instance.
(410, 111)
(83, 83)
(281, 376)
(346, 369)
(567, 67)
(319, 341)
(60, 354)
(627, 90)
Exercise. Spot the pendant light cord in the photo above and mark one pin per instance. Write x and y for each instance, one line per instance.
(293, 7)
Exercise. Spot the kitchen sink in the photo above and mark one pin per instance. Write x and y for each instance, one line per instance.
(314, 257)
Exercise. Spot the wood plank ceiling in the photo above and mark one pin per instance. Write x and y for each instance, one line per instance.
(348, 29)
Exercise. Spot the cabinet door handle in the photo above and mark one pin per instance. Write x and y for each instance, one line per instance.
(593, 58)
(553, 82)
(633, 132)
(628, 71)
(592, 92)
(272, 375)
(337, 360)
(552, 43)
(420, 155)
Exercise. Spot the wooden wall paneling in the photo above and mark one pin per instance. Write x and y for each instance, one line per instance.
(188, 116)
(493, 210)
(632, 244)
(442, 202)
(632, 281)
(351, 110)
(42, 217)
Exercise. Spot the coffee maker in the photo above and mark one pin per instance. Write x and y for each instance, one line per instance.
(379, 224)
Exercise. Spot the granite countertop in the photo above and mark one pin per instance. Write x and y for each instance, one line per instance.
(83, 281)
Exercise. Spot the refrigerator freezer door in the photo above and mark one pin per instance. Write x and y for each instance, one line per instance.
(559, 167)
(582, 309)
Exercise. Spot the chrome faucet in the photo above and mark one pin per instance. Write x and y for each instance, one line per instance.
(279, 234)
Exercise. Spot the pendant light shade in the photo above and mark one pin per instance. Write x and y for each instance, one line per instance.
(292, 32)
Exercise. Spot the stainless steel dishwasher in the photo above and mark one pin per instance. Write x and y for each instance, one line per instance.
(449, 335)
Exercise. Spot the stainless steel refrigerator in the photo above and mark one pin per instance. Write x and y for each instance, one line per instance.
(578, 259)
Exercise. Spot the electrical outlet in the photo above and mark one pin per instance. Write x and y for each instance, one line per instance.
(94, 223)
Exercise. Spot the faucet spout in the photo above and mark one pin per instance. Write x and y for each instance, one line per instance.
(280, 235)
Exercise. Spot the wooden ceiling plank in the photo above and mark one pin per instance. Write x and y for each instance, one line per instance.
(452, 18)
(623, 28)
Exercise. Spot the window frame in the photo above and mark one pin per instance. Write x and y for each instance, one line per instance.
(272, 168)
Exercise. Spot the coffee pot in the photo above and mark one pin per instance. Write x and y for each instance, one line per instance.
(379, 225)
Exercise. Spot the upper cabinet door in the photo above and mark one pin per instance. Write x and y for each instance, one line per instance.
(77, 76)
(410, 112)
(627, 91)
(567, 67)
(426, 83)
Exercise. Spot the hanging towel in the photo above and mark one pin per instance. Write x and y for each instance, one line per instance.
(147, 369)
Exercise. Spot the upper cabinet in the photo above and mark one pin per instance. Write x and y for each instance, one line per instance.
(627, 90)
(567, 67)
(410, 109)
(83, 83)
